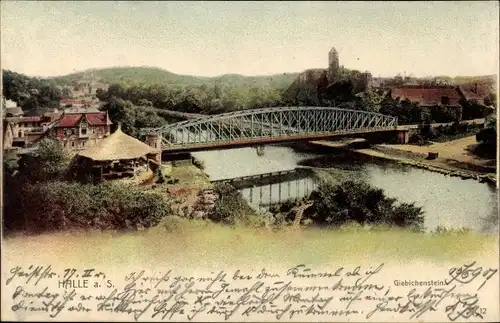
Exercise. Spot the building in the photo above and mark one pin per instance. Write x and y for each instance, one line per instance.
(13, 112)
(476, 92)
(78, 130)
(10, 108)
(427, 97)
(323, 78)
(98, 86)
(333, 65)
(7, 135)
(78, 103)
(117, 156)
(28, 129)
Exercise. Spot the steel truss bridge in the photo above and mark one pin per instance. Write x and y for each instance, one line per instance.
(269, 125)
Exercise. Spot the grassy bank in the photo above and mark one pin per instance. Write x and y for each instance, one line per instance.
(204, 243)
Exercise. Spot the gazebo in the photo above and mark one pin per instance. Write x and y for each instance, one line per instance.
(117, 156)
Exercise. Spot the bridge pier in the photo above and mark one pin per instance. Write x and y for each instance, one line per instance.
(154, 140)
(403, 136)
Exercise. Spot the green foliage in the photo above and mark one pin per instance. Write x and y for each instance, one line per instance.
(58, 205)
(407, 112)
(30, 93)
(160, 177)
(443, 133)
(10, 163)
(202, 99)
(232, 209)
(487, 139)
(50, 161)
(199, 163)
(473, 110)
(350, 201)
(132, 117)
(153, 76)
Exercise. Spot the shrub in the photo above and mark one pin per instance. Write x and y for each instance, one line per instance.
(160, 179)
(56, 205)
(51, 161)
(199, 163)
(358, 201)
(487, 136)
(231, 208)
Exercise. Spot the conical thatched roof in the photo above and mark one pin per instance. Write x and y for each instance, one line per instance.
(118, 146)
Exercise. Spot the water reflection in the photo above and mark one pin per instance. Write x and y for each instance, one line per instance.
(446, 201)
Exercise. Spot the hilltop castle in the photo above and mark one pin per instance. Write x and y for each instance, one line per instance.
(333, 65)
(324, 77)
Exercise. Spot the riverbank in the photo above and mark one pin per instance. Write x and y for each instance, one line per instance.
(183, 183)
(200, 242)
(454, 158)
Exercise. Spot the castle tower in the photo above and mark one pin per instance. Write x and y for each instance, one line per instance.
(333, 65)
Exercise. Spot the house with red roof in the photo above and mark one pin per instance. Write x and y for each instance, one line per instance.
(475, 92)
(79, 130)
(77, 103)
(446, 96)
(27, 129)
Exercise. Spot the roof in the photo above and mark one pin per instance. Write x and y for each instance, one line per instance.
(15, 111)
(52, 116)
(118, 146)
(76, 101)
(24, 119)
(92, 109)
(427, 96)
(475, 92)
(99, 85)
(94, 119)
(10, 104)
(7, 127)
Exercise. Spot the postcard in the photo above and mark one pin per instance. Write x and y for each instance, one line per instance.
(250, 161)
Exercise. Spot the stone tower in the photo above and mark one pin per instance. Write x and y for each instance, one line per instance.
(333, 65)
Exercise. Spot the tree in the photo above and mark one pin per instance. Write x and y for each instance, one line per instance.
(231, 208)
(471, 109)
(30, 93)
(488, 136)
(337, 204)
(50, 161)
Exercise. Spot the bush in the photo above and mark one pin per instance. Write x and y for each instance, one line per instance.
(349, 201)
(51, 161)
(160, 179)
(199, 163)
(487, 136)
(231, 208)
(56, 205)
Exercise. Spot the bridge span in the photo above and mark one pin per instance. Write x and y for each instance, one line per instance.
(265, 126)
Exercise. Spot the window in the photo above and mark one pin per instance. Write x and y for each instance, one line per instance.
(83, 131)
(72, 144)
(20, 134)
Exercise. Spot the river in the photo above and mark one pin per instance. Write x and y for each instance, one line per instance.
(446, 201)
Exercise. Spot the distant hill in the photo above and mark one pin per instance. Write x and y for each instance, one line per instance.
(470, 79)
(154, 75)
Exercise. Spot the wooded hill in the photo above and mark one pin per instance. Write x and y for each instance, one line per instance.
(154, 76)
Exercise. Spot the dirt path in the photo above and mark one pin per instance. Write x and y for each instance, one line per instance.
(455, 150)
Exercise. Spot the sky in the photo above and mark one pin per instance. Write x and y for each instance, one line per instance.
(251, 38)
